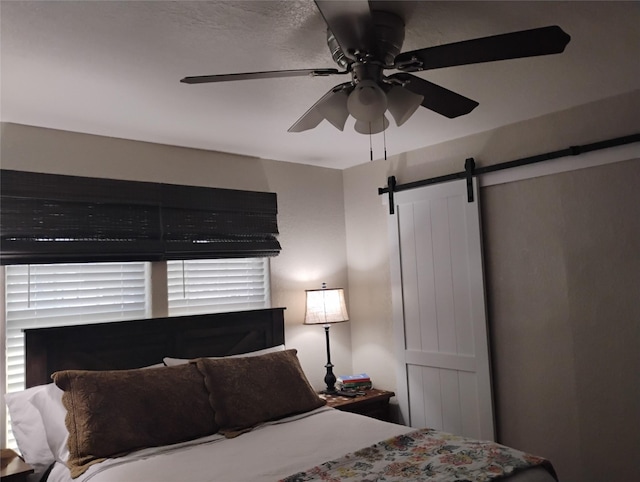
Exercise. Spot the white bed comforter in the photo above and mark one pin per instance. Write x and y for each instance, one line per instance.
(266, 454)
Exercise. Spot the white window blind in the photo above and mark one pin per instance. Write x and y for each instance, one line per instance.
(48, 295)
(218, 285)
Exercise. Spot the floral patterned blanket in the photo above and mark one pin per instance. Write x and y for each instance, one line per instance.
(424, 455)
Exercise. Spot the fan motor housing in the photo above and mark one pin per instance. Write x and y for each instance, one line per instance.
(389, 32)
(389, 36)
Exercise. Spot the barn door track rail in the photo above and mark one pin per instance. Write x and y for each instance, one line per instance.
(470, 169)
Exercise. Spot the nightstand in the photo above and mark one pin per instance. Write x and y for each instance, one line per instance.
(13, 468)
(375, 403)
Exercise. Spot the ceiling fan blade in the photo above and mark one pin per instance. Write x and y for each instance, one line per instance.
(351, 23)
(436, 98)
(328, 104)
(273, 74)
(526, 43)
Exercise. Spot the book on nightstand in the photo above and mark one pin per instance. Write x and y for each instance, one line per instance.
(360, 381)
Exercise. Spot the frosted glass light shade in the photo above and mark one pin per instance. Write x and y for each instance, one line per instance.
(402, 103)
(374, 127)
(367, 102)
(334, 109)
(325, 306)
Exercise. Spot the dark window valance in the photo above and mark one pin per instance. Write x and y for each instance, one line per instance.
(50, 218)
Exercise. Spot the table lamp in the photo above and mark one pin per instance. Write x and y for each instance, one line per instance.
(324, 307)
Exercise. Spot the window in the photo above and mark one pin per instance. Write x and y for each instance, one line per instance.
(51, 218)
(46, 295)
(217, 285)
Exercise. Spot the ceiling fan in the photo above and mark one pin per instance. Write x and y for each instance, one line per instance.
(364, 43)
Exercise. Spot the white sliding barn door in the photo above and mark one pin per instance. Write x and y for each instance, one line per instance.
(439, 311)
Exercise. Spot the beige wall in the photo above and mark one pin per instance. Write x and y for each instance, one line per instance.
(563, 269)
(366, 216)
(310, 217)
(561, 392)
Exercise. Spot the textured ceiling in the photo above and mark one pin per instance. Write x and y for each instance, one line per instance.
(113, 68)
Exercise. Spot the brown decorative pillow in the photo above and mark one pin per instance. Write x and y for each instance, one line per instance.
(110, 413)
(247, 391)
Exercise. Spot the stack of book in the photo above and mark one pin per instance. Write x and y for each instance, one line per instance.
(361, 381)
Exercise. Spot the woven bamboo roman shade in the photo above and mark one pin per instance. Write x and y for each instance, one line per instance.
(49, 218)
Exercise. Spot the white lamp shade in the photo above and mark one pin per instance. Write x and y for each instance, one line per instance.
(325, 306)
(367, 102)
(402, 103)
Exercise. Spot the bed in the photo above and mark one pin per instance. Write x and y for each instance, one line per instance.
(217, 398)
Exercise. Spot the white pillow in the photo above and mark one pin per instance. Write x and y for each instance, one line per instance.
(181, 361)
(28, 428)
(49, 404)
(157, 365)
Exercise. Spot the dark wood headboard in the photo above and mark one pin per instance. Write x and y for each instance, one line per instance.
(139, 343)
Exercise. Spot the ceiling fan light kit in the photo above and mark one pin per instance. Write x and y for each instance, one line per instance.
(375, 126)
(402, 103)
(367, 102)
(364, 43)
(334, 109)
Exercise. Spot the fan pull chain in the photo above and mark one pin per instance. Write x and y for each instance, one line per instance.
(384, 138)
(370, 145)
